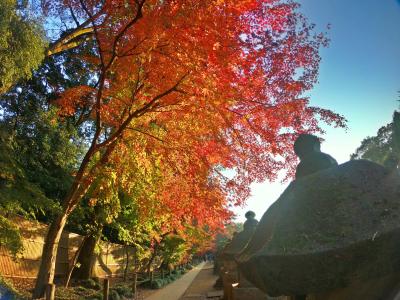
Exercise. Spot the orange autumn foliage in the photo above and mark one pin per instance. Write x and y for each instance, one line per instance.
(211, 85)
(222, 79)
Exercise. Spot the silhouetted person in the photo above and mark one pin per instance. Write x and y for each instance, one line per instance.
(308, 148)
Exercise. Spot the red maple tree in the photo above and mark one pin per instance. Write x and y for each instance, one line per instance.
(214, 84)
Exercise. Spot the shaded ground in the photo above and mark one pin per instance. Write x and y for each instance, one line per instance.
(199, 281)
(25, 286)
(201, 287)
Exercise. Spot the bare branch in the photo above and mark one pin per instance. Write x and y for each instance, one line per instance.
(138, 16)
(94, 27)
(73, 16)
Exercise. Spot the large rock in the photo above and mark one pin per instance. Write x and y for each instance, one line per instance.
(327, 230)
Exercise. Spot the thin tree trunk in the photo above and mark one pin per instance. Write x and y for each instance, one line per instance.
(87, 259)
(49, 254)
(74, 261)
(134, 286)
(153, 256)
(127, 263)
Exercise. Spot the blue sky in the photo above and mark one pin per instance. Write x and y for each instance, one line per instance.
(359, 77)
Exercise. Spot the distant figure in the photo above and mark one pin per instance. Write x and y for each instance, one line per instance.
(308, 148)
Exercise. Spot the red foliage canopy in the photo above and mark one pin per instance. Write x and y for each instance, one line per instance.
(213, 85)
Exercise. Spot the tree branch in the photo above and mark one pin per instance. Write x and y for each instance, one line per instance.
(138, 16)
(139, 112)
(146, 133)
(80, 30)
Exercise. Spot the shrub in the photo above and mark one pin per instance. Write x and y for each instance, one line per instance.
(157, 283)
(10, 237)
(114, 295)
(90, 284)
(123, 290)
(97, 296)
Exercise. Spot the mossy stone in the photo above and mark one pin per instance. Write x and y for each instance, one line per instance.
(327, 230)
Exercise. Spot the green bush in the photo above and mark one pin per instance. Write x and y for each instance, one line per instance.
(157, 283)
(173, 272)
(172, 277)
(168, 279)
(124, 290)
(81, 289)
(10, 236)
(114, 295)
(177, 272)
(90, 284)
(78, 292)
(97, 296)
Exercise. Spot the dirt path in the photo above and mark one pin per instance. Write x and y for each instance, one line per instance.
(201, 287)
(175, 290)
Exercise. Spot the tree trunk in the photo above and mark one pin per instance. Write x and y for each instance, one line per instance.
(126, 269)
(75, 261)
(49, 254)
(79, 187)
(134, 286)
(48, 261)
(153, 256)
(87, 259)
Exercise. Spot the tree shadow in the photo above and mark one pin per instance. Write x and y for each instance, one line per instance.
(103, 265)
(33, 234)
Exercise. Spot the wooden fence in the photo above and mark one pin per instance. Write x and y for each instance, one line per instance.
(110, 262)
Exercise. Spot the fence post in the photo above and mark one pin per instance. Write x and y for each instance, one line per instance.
(134, 285)
(50, 291)
(106, 288)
